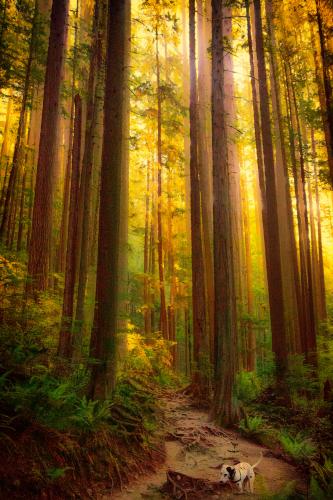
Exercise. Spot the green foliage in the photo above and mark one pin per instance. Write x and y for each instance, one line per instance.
(319, 493)
(300, 376)
(321, 483)
(286, 493)
(266, 368)
(299, 447)
(248, 386)
(56, 473)
(46, 398)
(90, 415)
(151, 358)
(19, 347)
(252, 426)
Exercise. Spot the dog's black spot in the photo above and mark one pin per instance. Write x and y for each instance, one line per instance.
(232, 472)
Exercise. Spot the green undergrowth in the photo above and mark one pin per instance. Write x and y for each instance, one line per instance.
(55, 442)
(301, 431)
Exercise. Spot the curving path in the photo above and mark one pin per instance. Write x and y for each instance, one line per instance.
(196, 447)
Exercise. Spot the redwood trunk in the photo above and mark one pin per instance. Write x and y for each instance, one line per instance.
(273, 257)
(41, 231)
(65, 346)
(103, 340)
(200, 334)
(224, 293)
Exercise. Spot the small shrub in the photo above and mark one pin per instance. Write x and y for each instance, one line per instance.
(248, 387)
(300, 377)
(50, 400)
(252, 426)
(91, 415)
(317, 492)
(299, 447)
(321, 483)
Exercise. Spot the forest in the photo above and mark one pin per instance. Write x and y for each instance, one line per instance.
(166, 249)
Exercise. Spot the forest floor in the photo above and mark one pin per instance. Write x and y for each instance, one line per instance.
(196, 447)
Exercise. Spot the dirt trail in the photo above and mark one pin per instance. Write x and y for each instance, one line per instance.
(194, 447)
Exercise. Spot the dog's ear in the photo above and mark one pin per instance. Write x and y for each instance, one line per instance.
(231, 472)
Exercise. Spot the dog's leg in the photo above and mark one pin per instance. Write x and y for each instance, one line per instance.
(240, 486)
(251, 483)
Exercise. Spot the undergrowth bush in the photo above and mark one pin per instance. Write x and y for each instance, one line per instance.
(252, 426)
(321, 483)
(300, 447)
(63, 440)
(248, 386)
(300, 378)
(151, 358)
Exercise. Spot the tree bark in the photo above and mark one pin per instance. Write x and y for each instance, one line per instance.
(225, 346)
(205, 161)
(65, 346)
(163, 312)
(289, 264)
(322, 311)
(103, 340)
(21, 216)
(85, 195)
(41, 231)
(200, 334)
(308, 330)
(273, 256)
(326, 80)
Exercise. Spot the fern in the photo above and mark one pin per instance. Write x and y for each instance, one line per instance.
(90, 415)
(252, 426)
(299, 447)
(56, 473)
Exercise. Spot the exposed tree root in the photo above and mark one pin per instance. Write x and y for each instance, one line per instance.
(198, 393)
(183, 487)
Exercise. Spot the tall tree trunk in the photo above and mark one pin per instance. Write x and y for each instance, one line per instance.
(41, 231)
(65, 346)
(322, 311)
(308, 332)
(322, 100)
(62, 249)
(290, 272)
(103, 340)
(273, 256)
(93, 92)
(186, 103)
(21, 216)
(326, 79)
(146, 280)
(163, 313)
(250, 332)
(200, 333)
(257, 125)
(152, 249)
(234, 169)
(124, 207)
(224, 293)
(205, 161)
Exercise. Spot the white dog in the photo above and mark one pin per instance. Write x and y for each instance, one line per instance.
(239, 473)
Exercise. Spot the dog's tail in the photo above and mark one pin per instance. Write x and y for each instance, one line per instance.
(260, 459)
